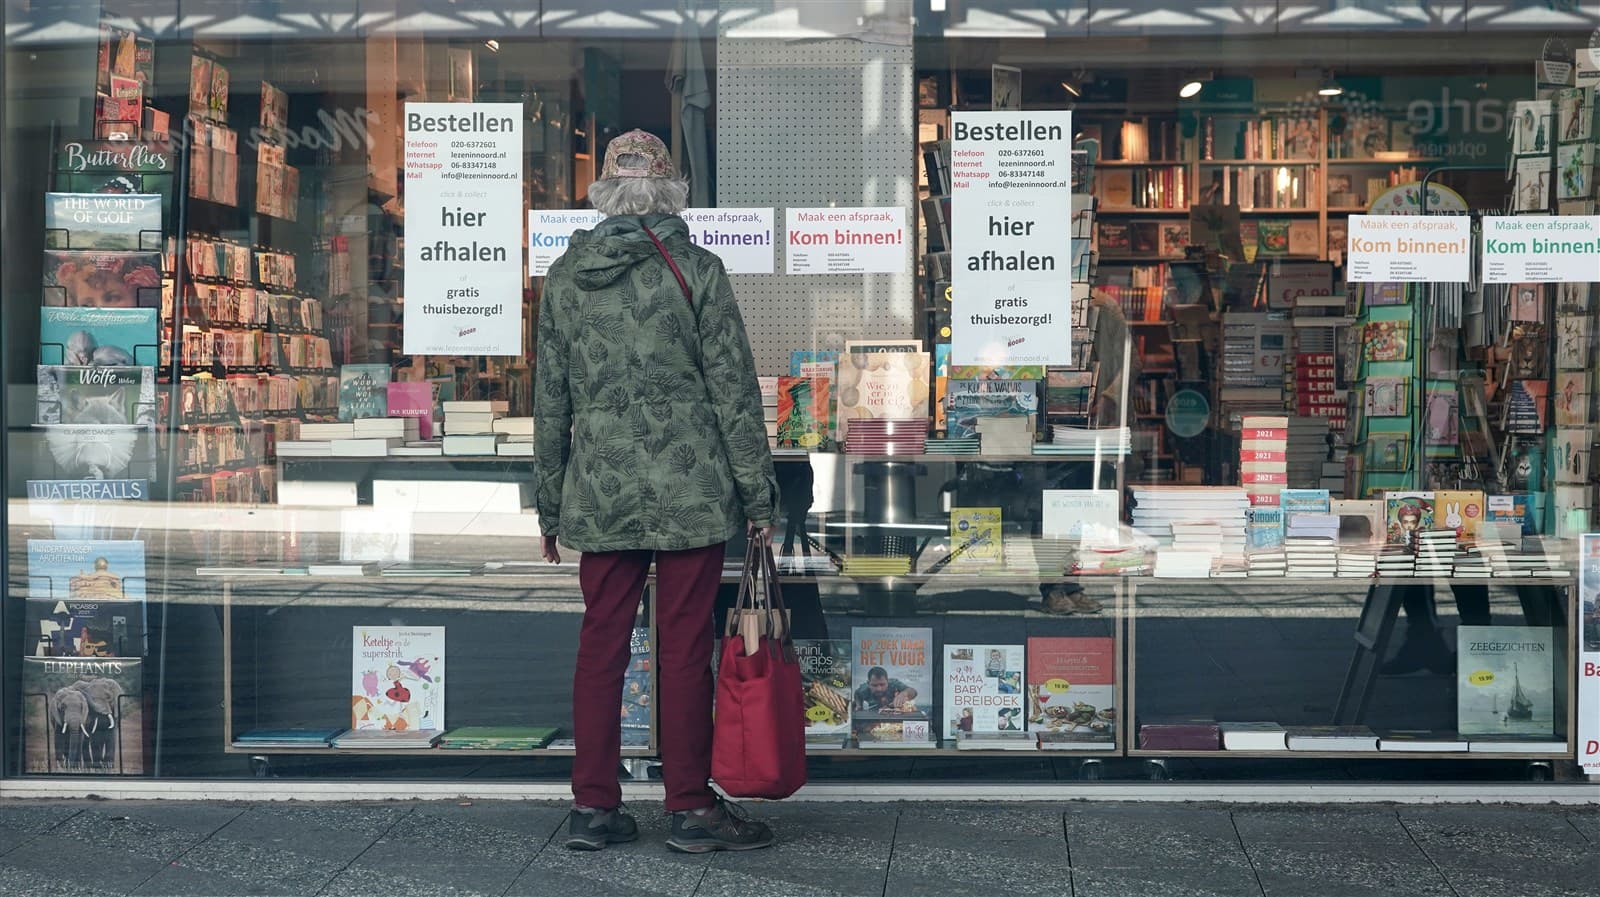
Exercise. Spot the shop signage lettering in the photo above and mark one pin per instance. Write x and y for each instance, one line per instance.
(114, 157)
(1409, 249)
(1011, 213)
(549, 232)
(1541, 249)
(742, 238)
(334, 131)
(846, 240)
(1589, 655)
(463, 229)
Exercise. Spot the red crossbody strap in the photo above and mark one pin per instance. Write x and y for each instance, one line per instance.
(682, 284)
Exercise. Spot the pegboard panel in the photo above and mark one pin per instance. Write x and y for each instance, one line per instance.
(816, 123)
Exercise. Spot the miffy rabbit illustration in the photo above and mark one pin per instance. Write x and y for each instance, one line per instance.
(1452, 516)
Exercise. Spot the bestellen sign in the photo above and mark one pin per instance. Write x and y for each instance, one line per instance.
(1011, 238)
(1409, 249)
(1541, 249)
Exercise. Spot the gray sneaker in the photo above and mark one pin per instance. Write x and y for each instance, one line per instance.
(722, 827)
(594, 829)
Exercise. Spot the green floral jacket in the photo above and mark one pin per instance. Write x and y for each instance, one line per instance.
(648, 431)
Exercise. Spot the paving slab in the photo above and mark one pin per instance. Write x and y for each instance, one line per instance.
(1587, 823)
(36, 883)
(977, 849)
(447, 844)
(1492, 851)
(822, 850)
(231, 866)
(21, 822)
(1300, 851)
(154, 831)
(65, 863)
(333, 832)
(1156, 848)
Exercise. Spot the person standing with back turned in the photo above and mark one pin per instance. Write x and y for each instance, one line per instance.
(650, 444)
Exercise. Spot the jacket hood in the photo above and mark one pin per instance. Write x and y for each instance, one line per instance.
(602, 256)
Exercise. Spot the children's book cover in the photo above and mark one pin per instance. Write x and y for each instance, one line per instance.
(1461, 510)
(83, 715)
(975, 539)
(98, 337)
(102, 221)
(1407, 514)
(825, 677)
(804, 413)
(363, 391)
(397, 678)
(969, 400)
(1505, 681)
(892, 676)
(1071, 687)
(86, 569)
(1387, 341)
(982, 689)
(101, 278)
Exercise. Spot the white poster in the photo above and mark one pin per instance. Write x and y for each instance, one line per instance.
(1090, 515)
(1011, 236)
(869, 240)
(1589, 655)
(1409, 249)
(463, 278)
(549, 232)
(742, 238)
(1541, 249)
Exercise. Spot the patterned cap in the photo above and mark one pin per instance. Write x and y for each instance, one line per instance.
(657, 161)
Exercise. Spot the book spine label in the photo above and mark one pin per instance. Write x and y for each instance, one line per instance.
(1277, 479)
(1266, 434)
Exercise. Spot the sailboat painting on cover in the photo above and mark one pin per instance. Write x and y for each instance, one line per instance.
(1505, 681)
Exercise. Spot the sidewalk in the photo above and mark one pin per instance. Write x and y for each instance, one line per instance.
(465, 849)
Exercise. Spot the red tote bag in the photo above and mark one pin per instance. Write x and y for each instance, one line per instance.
(759, 738)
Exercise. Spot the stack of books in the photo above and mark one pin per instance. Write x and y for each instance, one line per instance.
(1263, 458)
(959, 445)
(1173, 563)
(1358, 562)
(387, 739)
(1269, 562)
(1311, 557)
(497, 738)
(1264, 529)
(868, 436)
(375, 437)
(1210, 518)
(1436, 553)
(769, 405)
(1065, 440)
(1307, 450)
(518, 433)
(1472, 562)
(315, 440)
(876, 565)
(469, 427)
(287, 738)
(1396, 560)
(1131, 560)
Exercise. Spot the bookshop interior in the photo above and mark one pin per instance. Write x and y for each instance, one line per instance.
(1156, 393)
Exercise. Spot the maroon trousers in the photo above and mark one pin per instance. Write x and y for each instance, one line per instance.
(686, 592)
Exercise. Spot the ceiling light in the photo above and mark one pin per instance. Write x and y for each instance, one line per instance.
(1193, 84)
(493, 45)
(1330, 87)
(1071, 87)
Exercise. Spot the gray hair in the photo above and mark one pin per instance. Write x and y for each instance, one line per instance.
(639, 196)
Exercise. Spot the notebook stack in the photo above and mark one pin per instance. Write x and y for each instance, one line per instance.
(1436, 553)
(1396, 560)
(1307, 450)
(1129, 560)
(497, 738)
(469, 427)
(769, 405)
(1065, 440)
(375, 437)
(1472, 562)
(1531, 559)
(1173, 563)
(867, 436)
(1263, 458)
(960, 445)
(1269, 562)
(518, 433)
